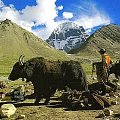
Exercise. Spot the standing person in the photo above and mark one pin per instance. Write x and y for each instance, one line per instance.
(102, 72)
(106, 62)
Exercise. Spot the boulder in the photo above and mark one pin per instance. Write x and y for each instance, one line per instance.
(7, 110)
(18, 94)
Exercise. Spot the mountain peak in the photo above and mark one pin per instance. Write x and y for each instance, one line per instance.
(6, 21)
(67, 36)
(66, 26)
(7, 25)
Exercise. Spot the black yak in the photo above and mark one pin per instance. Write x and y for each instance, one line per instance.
(115, 68)
(47, 76)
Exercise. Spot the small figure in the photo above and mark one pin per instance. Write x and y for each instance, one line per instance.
(106, 63)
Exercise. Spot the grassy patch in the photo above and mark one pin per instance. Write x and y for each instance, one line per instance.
(87, 68)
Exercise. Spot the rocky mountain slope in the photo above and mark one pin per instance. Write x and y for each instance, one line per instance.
(107, 37)
(67, 36)
(15, 41)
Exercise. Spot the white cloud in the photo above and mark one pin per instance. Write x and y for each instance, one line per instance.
(11, 13)
(93, 21)
(91, 17)
(60, 7)
(45, 13)
(67, 15)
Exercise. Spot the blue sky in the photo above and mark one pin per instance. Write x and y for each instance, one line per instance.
(42, 16)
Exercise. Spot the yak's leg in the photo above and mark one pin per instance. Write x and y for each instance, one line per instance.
(37, 97)
(48, 93)
(47, 99)
(38, 94)
(52, 91)
(33, 95)
(35, 90)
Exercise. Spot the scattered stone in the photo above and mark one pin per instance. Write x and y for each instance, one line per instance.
(82, 105)
(114, 102)
(94, 78)
(107, 95)
(116, 96)
(115, 80)
(106, 119)
(108, 112)
(21, 116)
(7, 110)
(101, 115)
(2, 85)
(22, 89)
(112, 93)
(28, 90)
(2, 95)
(118, 86)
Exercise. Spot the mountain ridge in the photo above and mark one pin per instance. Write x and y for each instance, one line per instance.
(15, 41)
(107, 37)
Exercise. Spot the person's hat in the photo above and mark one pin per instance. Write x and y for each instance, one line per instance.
(102, 51)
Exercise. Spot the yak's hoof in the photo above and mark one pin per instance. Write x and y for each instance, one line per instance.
(36, 103)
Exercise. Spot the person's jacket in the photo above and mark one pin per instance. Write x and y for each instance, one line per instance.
(106, 59)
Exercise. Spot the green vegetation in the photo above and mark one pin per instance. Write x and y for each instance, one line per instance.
(16, 41)
(87, 68)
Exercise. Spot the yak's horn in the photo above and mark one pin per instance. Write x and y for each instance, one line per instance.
(117, 61)
(21, 59)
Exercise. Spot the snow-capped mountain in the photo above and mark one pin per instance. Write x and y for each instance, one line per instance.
(67, 36)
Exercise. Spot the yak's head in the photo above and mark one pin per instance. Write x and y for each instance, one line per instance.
(115, 67)
(17, 70)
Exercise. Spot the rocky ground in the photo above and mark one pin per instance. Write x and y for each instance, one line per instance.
(54, 111)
